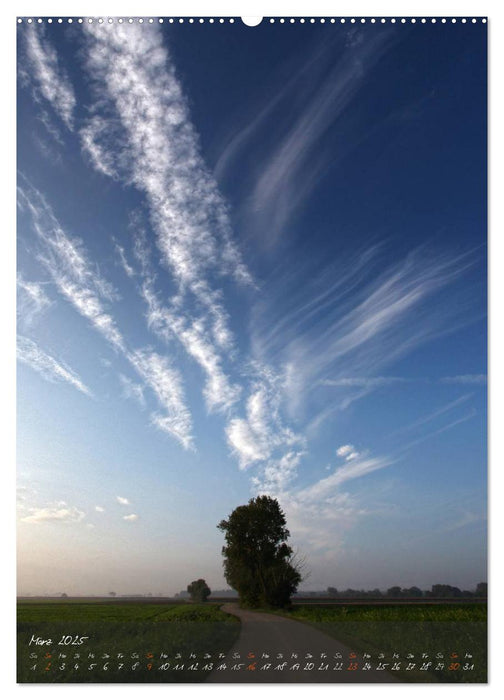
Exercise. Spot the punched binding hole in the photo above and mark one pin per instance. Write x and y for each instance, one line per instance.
(251, 21)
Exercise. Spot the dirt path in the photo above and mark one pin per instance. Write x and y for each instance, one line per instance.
(262, 634)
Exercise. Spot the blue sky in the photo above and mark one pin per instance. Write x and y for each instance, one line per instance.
(251, 261)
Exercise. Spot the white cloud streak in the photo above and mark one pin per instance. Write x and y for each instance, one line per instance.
(71, 271)
(434, 414)
(101, 157)
(200, 337)
(371, 316)
(434, 433)
(187, 211)
(262, 439)
(354, 469)
(347, 337)
(385, 306)
(131, 518)
(122, 500)
(159, 153)
(166, 383)
(50, 78)
(363, 382)
(130, 272)
(51, 369)
(320, 515)
(51, 128)
(465, 379)
(54, 514)
(277, 474)
(132, 390)
(32, 301)
(219, 393)
(296, 158)
(87, 291)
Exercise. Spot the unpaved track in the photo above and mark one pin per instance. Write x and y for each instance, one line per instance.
(262, 633)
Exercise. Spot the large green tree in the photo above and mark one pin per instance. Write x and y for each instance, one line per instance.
(258, 562)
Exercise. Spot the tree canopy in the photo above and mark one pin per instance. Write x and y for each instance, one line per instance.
(198, 590)
(258, 562)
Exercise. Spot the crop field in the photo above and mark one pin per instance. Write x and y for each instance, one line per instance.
(154, 641)
(119, 642)
(457, 632)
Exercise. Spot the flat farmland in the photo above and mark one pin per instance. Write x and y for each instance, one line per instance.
(445, 634)
(120, 642)
(142, 640)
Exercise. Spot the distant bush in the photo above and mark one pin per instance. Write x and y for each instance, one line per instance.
(198, 590)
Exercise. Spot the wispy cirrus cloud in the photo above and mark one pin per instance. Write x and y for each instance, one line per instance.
(101, 156)
(433, 414)
(219, 392)
(467, 416)
(132, 390)
(467, 518)
(61, 250)
(151, 143)
(376, 323)
(166, 383)
(352, 469)
(343, 336)
(256, 437)
(205, 337)
(465, 379)
(299, 78)
(48, 76)
(337, 340)
(277, 474)
(321, 514)
(51, 128)
(32, 301)
(132, 517)
(295, 157)
(66, 261)
(123, 500)
(51, 369)
(363, 382)
(261, 438)
(83, 286)
(130, 272)
(131, 69)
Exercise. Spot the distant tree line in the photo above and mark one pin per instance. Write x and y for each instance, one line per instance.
(439, 590)
(222, 593)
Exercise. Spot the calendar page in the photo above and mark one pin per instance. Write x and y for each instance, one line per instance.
(251, 343)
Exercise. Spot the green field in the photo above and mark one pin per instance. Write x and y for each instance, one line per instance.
(414, 629)
(127, 642)
(153, 642)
